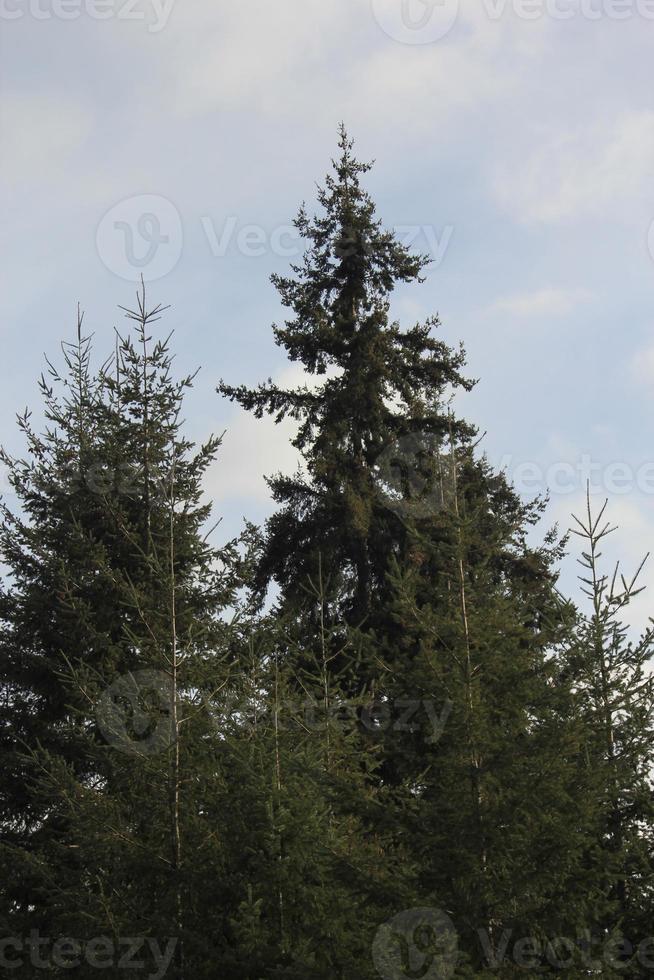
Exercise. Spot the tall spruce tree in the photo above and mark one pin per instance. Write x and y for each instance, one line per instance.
(420, 756)
(380, 382)
(41, 541)
(429, 553)
(112, 645)
(500, 791)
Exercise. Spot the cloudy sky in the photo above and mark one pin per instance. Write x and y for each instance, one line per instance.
(514, 142)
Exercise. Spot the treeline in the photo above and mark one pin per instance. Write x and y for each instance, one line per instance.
(369, 739)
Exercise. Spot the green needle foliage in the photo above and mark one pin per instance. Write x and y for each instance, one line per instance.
(380, 384)
(460, 624)
(371, 739)
(615, 702)
(112, 641)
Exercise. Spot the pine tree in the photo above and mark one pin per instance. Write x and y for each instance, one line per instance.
(51, 534)
(128, 594)
(381, 383)
(615, 694)
(421, 748)
(495, 767)
(429, 556)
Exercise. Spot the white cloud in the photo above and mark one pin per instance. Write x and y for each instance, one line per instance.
(251, 449)
(543, 302)
(255, 448)
(319, 62)
(227, 56)
(602, 170)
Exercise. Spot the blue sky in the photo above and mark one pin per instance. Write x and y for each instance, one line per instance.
(514, 140)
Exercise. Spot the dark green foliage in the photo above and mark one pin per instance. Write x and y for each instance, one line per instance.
(457, 615)
(422, 760)
(615, 701)
(380, 384)
(110, 625)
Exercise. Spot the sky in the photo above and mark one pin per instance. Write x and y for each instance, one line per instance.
(513, 140)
